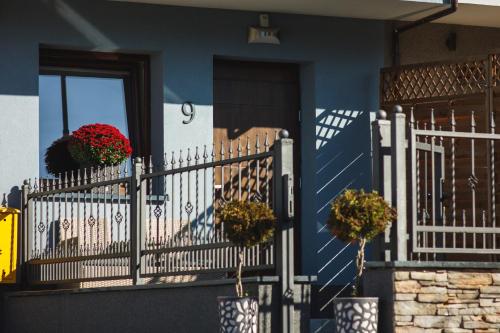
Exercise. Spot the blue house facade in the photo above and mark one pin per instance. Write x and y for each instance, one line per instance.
(338, 61)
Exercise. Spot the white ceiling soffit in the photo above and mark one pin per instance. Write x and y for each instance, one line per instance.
(471, 12)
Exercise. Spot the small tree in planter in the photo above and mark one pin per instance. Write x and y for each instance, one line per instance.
(246, 224)
(357, 216)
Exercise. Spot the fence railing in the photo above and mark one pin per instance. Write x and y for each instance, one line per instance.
(443, 183)
(154, 219)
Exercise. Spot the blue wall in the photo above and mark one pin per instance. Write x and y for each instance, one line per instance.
(340, 60)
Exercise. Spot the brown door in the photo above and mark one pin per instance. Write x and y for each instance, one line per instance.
(255, 98)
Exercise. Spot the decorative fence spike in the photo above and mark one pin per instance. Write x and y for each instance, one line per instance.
(205, 154)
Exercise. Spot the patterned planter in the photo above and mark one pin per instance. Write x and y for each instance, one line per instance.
(238, 314)
(356, 314)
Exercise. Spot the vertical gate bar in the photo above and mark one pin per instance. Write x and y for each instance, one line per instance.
(266, 149)
(484, 225)
(433, 178)
(238, 149)
(172, 203)
(197, 200)
(98, 215)
(137, 194)
(127, 224)
(213, 230)
(181, 233)
(53, 218)
(84, 180)
(418, 194)
(205, 211)
(249, 175)
(426, 191)
(165, 205)
(188, 209)
(91, 215)
(473, 178)
(453, 180)
(23, 231)
(223, 184)
(158, 214)
(282, 203)
(413, 164)
(493, 214)
(35, 220)
(257, 166)
(489, 96)
(230, 171)
(149, 198)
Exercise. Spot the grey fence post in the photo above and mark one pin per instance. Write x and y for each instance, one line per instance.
(283, 206)
(381, 174)
(136, 198)
(398, 148)
(23, 237)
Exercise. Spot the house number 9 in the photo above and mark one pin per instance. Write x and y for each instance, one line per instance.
(188, 110)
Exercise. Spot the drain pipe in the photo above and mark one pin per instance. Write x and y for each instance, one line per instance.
(397, 31)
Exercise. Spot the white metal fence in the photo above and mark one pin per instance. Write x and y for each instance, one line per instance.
(155, 220)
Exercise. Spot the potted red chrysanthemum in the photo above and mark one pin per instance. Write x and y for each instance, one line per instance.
(99, 145)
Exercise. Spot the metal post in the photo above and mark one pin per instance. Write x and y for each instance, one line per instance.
(283, 207)
(23, 238)
(398, 149)
(381, 174)
(136, 221)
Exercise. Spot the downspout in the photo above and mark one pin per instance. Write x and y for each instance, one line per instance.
(397, 31)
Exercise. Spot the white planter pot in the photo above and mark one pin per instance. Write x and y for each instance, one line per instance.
(238, 314)
(356, 314)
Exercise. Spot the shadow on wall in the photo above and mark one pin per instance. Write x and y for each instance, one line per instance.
(343, 161)
(12, 199)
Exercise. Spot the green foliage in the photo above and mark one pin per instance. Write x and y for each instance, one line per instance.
(247, 223)
(356, 215)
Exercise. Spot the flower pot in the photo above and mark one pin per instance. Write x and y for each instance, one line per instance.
(238, 314)
(356, 314)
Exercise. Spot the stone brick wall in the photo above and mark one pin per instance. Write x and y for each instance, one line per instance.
(442, 301)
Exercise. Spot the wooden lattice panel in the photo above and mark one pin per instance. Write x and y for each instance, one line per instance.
(434, 80)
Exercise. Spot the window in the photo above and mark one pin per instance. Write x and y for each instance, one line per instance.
(78, 88)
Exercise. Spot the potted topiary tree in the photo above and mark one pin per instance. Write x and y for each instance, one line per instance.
(246, 224)
(359, 217)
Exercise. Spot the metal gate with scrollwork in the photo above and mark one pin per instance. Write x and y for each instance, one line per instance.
(451, 156)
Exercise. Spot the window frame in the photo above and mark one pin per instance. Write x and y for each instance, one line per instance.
(134, 69)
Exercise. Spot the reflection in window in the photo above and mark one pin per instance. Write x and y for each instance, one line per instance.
(66, 103)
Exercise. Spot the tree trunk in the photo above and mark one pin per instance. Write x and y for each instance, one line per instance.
(239, 284)
(360, 265)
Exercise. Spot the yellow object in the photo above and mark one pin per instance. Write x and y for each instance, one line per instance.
(8, 244)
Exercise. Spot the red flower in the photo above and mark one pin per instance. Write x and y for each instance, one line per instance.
(99, 144)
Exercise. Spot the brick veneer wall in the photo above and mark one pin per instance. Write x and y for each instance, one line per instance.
(439, 300)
